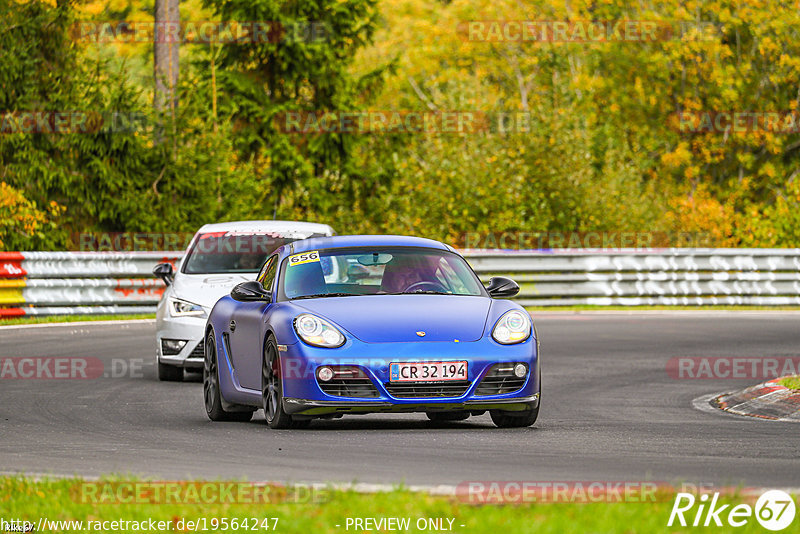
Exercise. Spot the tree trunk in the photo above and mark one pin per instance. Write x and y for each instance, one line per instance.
(165, 54)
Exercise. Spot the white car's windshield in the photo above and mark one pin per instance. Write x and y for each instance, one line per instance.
(232, 252)
(378, 271)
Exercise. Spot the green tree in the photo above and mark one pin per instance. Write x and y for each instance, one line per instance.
(303, 66)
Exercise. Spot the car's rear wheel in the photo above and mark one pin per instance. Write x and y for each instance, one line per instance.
(441, 417)
(272, 390)
(211, 392)
(169, 373)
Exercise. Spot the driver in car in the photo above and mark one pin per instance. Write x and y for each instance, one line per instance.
(404, 272)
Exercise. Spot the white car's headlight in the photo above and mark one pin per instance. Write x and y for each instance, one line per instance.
(184, 308)
(513, 327)
(317, 331)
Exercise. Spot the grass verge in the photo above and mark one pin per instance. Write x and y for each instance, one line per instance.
(791, 382)
(65, 500)
(73, 318)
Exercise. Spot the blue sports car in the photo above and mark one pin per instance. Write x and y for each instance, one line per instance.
(370, 324)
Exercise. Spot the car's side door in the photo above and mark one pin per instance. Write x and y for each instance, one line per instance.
(246, 331)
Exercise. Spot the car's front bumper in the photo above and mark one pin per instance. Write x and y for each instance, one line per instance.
(190, 329)
(304, 396)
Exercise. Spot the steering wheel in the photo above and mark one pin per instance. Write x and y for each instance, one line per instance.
(425, 286)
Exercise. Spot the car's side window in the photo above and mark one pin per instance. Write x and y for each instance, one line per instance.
(263, 272)
(268, 272)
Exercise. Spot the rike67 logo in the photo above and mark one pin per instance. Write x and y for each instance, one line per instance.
(774, 510)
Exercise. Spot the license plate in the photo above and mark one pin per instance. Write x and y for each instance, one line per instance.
(427, 371)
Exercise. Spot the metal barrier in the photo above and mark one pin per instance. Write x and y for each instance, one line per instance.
(62, 283)
(660, 277)
(80, 283)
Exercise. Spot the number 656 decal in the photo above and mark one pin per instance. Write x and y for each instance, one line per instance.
(305, 257)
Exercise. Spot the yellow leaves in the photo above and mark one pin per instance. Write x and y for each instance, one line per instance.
(94, 8)
(678, 157)
(9, 196)
(768, 170)
(730, 95)
(18, 215)
(769, 47)
(699, 212)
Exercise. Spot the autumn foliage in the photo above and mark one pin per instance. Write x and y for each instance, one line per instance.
(628, 132)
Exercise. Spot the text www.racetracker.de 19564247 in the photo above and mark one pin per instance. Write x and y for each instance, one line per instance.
(201, 524)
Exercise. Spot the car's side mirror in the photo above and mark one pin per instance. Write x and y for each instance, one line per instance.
(164, 272)
(502, 287)
(251, 291)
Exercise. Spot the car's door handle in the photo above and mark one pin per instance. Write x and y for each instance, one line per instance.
(233, 325)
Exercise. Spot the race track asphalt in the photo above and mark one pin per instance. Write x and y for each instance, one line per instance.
(610, 411)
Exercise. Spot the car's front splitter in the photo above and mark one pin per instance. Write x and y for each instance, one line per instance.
(316, 407)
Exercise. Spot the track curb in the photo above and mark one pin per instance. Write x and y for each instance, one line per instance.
(768, 400)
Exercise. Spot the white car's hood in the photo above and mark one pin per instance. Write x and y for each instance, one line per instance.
(206, 289)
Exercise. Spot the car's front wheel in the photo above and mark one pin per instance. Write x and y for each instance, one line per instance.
(505, 419)
(211, 393)
(272, 389)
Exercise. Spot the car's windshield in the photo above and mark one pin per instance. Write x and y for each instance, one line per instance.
(233, 252)
(377, 271)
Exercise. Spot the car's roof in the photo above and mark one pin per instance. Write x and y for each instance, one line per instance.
(268, 226)
(347, 241)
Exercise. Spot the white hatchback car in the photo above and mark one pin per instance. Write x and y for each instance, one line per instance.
(218, 257)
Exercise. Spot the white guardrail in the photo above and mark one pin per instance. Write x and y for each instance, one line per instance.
(56, 283)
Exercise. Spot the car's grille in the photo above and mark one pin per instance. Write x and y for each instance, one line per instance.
(415, 390)
(500, 379)
(198, 352)
(348, 381)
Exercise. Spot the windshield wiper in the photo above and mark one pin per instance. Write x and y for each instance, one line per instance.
(420, 292)
(323, 295)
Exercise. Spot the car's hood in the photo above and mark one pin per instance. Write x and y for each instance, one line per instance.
(398, 318)
(206, 289)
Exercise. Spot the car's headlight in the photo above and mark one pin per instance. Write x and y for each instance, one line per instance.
(317, 331)
(513, 327)
(184, 308)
